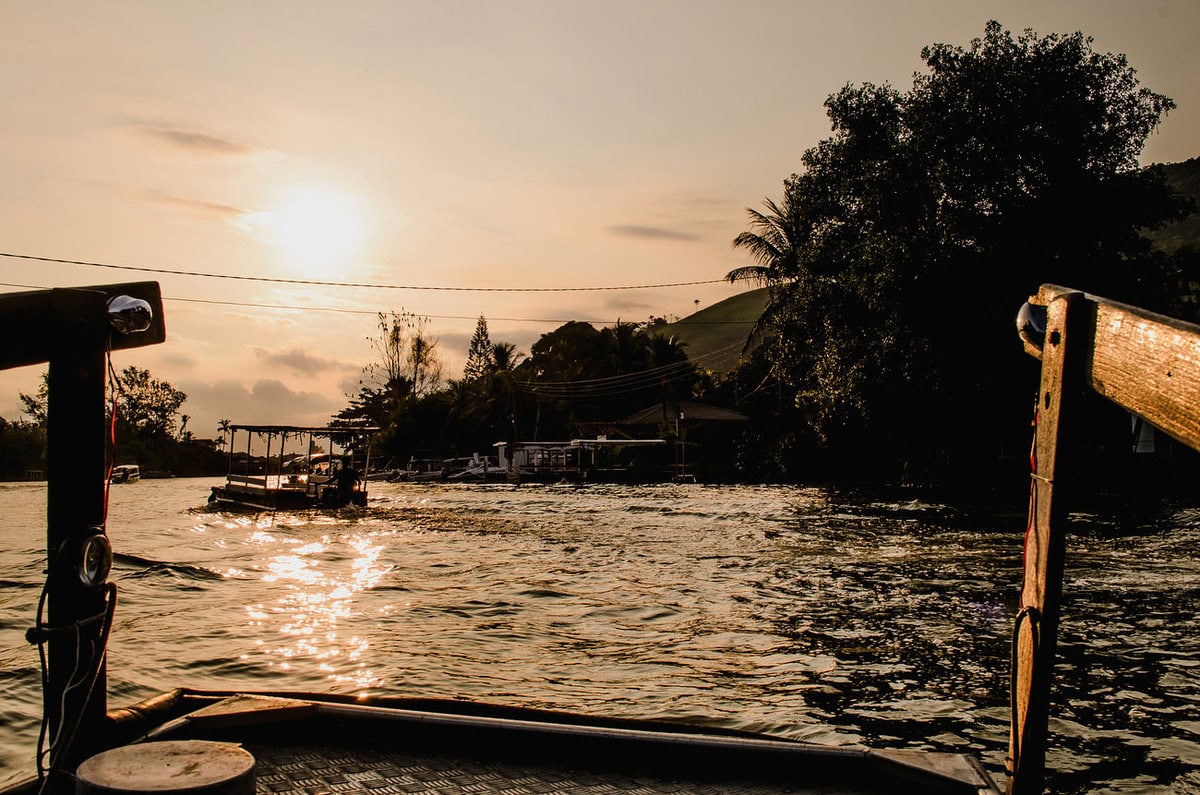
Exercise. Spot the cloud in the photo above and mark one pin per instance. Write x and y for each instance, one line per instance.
(455, 343)
(179, 360)
(651, 232)
(267, 401)
(630, 309)
(270, 392)
(351, 384)
(200, 206)
(193, 141)
(301, 361)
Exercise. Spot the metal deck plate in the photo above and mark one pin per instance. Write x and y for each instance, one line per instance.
(309, 770)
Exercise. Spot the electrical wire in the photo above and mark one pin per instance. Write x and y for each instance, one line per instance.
(114, 388)
(320, 283)
(601, 390)
(652, 373)
(618, 384)
(348, 311)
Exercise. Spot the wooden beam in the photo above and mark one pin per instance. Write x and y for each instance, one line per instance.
(27, 321)
(76, 705)
(1036, 630)
(1147, 363)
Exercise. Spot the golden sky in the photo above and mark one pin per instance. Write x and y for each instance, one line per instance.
(443, 144)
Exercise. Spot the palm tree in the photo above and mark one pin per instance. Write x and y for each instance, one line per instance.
(774, 240)
(223, 427)
(499, 403)
(505, 357)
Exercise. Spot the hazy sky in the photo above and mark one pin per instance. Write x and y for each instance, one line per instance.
(443, 144)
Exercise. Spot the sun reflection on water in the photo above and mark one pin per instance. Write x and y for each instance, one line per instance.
(319, 579)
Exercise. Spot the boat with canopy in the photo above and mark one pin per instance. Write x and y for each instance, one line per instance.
(329, 473)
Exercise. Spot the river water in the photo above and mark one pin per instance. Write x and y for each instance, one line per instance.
(796, 612)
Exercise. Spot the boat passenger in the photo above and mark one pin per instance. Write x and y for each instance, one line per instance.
(347, 481)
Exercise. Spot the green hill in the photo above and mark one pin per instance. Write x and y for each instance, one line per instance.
(1185, 179)
(715, 335)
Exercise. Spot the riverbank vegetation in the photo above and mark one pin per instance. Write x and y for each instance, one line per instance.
(898, 255)
(148, 430)
(895, 260)
(889, 269)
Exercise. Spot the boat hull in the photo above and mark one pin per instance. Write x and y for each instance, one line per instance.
(306, 742)
(231, 497)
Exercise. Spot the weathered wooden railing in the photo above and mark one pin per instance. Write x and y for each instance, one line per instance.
(1148, 364)
(73, 329)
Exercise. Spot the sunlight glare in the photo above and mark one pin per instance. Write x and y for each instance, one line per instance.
(319, 231)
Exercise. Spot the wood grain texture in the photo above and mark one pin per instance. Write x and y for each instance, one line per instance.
(1147, 363)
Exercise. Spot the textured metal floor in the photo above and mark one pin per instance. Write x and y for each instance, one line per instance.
(321, 769)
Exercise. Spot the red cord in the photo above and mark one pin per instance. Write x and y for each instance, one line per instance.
(114, 390)
(1031, 519)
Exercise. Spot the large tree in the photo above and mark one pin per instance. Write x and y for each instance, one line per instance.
(578, 373)
(146, 405)
(900, 252)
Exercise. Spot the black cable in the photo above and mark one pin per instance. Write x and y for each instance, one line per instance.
(320, 283)
(45, 671)
(344, 310)
(100, 652)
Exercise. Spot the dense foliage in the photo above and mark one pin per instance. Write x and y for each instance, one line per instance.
(898, 256)
(580, 374)
(574, 377)
(148, 430)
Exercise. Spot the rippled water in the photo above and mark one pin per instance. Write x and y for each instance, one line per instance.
(783, 610)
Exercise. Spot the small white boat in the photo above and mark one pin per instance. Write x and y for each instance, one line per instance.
(126, 473)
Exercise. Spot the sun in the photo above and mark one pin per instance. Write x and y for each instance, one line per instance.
(321, 232)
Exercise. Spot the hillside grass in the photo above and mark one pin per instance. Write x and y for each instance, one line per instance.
(1185, 179)
(714, 336)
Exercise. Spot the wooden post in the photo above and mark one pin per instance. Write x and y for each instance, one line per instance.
(1036, 629)
(75, 461)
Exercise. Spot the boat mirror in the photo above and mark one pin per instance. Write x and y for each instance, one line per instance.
(128, 315)
(1031, 324)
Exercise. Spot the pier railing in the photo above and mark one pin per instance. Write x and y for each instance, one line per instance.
(1146, 363)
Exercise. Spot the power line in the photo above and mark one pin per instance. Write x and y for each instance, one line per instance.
(652, 373)
(345, 310)
(618, 384)
(319, 283)
(301, 308)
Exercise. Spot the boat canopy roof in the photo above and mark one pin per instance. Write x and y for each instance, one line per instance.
(315, 430)
(616, 442)
(598, 442)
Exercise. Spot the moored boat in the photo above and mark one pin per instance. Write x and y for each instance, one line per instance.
(125, 473)
(599, 460)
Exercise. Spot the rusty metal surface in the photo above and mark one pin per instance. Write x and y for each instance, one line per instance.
(320, 769)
